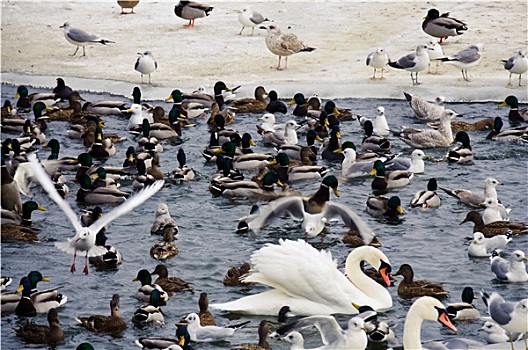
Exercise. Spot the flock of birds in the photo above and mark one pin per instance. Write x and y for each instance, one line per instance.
(289, 266)
(284, 44)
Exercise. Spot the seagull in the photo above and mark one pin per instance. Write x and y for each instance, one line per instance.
(84, 239)
(201, 333)
(435, 52)
(79, 37)
(283, 44)
(191, 10)
(145, 64)
(517, 64)
(494, 211)
(498, 335)
(467, 58)
(481, 246)
(313, 224)
(511, 316)
(424, 109)
(378, 60)
(442, 26)
(249, 18)
(413, 62)
(510, 271)
(332, 334)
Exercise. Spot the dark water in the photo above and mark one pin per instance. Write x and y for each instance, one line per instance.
(432, 241)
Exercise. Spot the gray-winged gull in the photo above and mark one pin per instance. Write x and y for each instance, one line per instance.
(250, 18)
(199, 333)
(482, 246)
(517, 64)
(467, 58)
(79, 37)
(283, 44)
(377, 60)
(414, 62)
(145, 64)
(510, 271)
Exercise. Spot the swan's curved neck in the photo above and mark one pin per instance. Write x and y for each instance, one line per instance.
(364, 283)
(412, 331)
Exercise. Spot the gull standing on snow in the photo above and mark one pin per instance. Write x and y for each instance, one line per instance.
(283, 44)
(511, 316)
(81, 38)
(467, 58)
(517, 64)
(481, 246)
(84, 239)
(378, 60)
(510, 271)
(414, 62)
(145, 64)
(251, 19)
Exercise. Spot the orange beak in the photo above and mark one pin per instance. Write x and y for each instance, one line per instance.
(444, 319)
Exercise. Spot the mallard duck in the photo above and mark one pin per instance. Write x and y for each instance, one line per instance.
(158, 130)
(105, 107)
(289, 172)
(274, 105)
(9, 111)
(427, 199)
(14, 232)
(494, 228)
(143, 293)
(182, 342)
(18, 125)
(111, 259)
(460, 154)
(379, 206)
(519, 134)
(335, 114)
(171, 284)
(102, 147)
(329, 148)
(165, 249)
(408, 288)
(252, 105)
(234, 275)
(35, 135)
(37, 334)
(25, 307)
(352, 238)
(187, 108)
(465, 310)
(515, 114)
(191, 10)
(206, 317)
(227, 113)
(142, 179)
(387, 180)
(299, 101)
(27, 100)
(219, 131)
(100, 195)
(374, 143)
(153, 170)
(100, 179)
(249, 189)
(151, 313)
(105, 324)
(18, 227)
(163, 222)
(62, 90)
(263, 330)
(10, 193)
(442, 26)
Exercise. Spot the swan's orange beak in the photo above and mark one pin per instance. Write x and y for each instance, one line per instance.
(384, 271)
(444, 319)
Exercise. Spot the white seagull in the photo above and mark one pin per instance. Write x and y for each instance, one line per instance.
(145, 64)
(517, 64)
(510, 271)
(251, 19)
(414, 62)
(84, 239)
(81, 38)
(199, 333)
(378, 60)
(482, 246)
(467, 58)
(435, 52)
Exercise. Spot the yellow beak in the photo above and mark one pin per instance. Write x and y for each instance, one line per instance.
(218, 150)
(20, 288)
(357, 306)
(280, 183)
(45, 279)
(41, 208)
(338, 135)
(373, 172)
(273, 162)
(292, 101)
(168, 98)
(503, 104)
(252, 143)
(339, 150)
(336, 112)
(16, 95)
(399, 210)
(336, 192)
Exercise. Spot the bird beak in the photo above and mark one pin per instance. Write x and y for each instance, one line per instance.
(503, 104)
(318, 138)
(335, 111)
(452, 142)
(101, 125)
(338, 135)
(385, 275)
(292, 101)
(16, 95)
(357, 306)
(41, 208)
(525, 259)
(129, 110)
(45, 279)
(336, 192)
(280, 183)
(400, 210)
(183, 116)
(339, 150)
(181, 341)
(134, 279)
(444, 319)
(372, 172)
(20, 288)
(168, 98)
(273, 162)
(252, 143)
(95, 176)
(218, 150)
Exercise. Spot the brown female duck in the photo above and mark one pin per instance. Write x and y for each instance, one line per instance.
(408, 288)
(102, 323)
(165, 249)
(170, 284)
(235, 274)
(494, 228)
(252, 105)
(206, 317)
(37, 334)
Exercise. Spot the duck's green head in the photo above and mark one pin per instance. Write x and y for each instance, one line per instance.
(335, 133)
(463, 138)
(36, 277)
(348, 144)
(84, 181)
(156, 298)
(432, 185)
(54, 146)
(28, 207)
(468, 295)
(510, 101)
(85, 159)
(394, 203)
(131, 153)
(219, 87)
(270, 179)
(175, 114)
(378, 168)
(136, 94)
(181, 157)
(176, 96)
(145, 128)
(100, 174)
(331, 108)
(247, 140)
(219, 120)
(84, 346)
(97, 213)
(311, 136)
(22, 91)
(331, 182)
(141, 167)
(282, 158)
(297, 99)
(229, 148)
(497, 124)
(144, 277)
(38, 108)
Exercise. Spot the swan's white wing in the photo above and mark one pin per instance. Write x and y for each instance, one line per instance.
(350, 218)
(330, 330)
(48, 186)
(276, 209)
(127, 205)
(296, 269)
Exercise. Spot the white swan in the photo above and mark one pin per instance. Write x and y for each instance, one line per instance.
(292, 267)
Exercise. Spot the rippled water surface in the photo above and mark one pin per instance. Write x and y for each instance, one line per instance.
(431, 241)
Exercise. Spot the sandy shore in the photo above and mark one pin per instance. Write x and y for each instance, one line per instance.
(35, 52)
